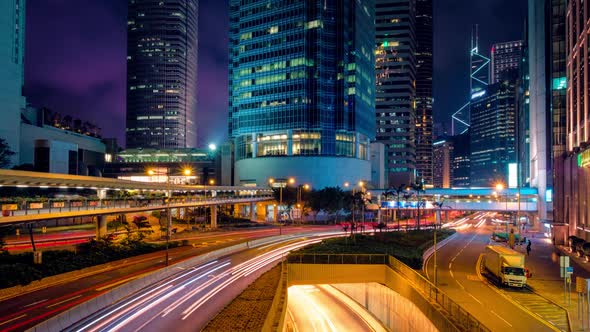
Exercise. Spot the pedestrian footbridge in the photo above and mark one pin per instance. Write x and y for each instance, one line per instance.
(463, 199)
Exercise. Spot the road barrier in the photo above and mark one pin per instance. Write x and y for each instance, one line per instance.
(96, 304)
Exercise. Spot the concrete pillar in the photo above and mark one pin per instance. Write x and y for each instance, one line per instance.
(446, 216)
(213, 216)
(101, 193)
(275, 213)
(437, 219)
(254, 146)
(290, 142)
(252, 214)
(101, 226)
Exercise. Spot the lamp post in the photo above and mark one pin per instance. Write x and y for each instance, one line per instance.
(186, 172)
(280, 183)
(500, 189)
(300, 190)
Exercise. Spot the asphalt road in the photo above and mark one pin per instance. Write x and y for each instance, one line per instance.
(457, 277)
(186, 301)
(323, 308)
(24, 311)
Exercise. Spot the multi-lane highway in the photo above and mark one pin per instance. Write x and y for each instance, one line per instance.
(324, 308)
(458, 277)
(187, 300)
(26, 310)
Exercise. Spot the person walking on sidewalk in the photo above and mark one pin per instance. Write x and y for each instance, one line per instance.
(528, 248)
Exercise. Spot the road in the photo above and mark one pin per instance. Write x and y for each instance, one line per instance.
(187, 300)
(26, 310)
(457, 277)
(324, 308)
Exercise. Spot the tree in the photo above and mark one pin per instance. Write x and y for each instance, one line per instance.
(5, 154)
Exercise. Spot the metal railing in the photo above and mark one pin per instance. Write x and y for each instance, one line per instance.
(452, 310)
(457, 314)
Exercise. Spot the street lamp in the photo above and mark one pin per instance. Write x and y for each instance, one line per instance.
(211, 182)
(280, 183)
(500, 189)
(186, 172)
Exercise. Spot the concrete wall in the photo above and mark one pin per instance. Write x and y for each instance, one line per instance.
(309, 274)
(393, 310)
(319, 172)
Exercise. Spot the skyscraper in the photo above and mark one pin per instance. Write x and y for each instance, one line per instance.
(442, 156)
(479, 75)
(493, 134)
(396, 88)
(161, 74)
(424, 95)
(506, 60)
(301, 90)
(12, 55)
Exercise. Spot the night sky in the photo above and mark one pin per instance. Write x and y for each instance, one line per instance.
(76, 50)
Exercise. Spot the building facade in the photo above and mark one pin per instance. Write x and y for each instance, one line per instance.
(506, 58)
(161, 74)
(572, 169)
(301, 90)
(424, 93)
(442, 156)
(461, 160)
(12, 55)
(395, 69)
(493, 134)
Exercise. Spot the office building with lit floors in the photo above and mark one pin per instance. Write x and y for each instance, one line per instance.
(493, 134)
(301, 91)
(161, 74)
(395, 92)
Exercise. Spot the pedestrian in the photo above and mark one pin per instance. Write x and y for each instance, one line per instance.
(528, 248)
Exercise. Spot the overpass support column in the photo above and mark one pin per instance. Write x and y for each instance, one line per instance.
(446, 216)
(252, 214)
(213, 216)
(101, 193)
(437, 219)
(101, 226)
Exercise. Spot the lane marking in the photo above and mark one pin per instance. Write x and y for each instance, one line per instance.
(120, 282)
(31, 304)
(64, 301)
(451, 273)
(473, 297)
(15, 318)
(501, 318)
(462, 287)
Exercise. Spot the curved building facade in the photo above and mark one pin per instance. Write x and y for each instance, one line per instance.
(161, 74)
(302, 90)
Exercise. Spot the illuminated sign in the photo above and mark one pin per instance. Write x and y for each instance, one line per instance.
(584, 159)
(478, 94)
(512, 175)
(549, 195)
(559, 83)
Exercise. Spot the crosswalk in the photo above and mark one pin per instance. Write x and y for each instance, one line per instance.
(540, 306)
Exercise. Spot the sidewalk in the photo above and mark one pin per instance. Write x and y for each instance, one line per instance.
(543, 263)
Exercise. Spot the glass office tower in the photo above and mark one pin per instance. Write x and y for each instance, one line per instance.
(301, 90)
(161, 74)
(12, 55)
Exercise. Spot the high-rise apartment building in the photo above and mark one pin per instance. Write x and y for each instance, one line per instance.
(301, 90)
(161, 74)
(493, 134)
(12, 55)
(395, 68)
(442, 156)
(424, 96)
(506, 59)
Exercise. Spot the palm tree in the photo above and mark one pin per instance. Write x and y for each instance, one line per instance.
(418, 187)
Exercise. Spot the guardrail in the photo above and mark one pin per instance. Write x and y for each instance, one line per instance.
(61, 205)
(454, 312)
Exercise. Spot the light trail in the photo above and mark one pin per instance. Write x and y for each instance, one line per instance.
(167, 296)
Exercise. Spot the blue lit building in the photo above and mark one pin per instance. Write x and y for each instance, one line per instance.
(493, 134)
(301, 90)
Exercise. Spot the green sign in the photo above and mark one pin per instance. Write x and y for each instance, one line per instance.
(559, 83)
(584, 159)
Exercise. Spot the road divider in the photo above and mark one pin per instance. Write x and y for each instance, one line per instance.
(67, 318)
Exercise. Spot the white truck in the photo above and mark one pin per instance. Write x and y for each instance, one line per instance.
(505, 264)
